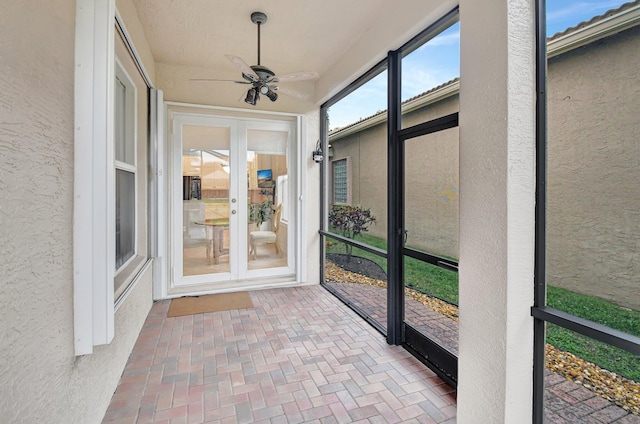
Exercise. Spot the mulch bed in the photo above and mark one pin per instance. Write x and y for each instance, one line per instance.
(358, 265)
(610, 386)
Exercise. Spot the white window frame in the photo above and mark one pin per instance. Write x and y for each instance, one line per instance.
(94, 176)
(131, 102)
(94, 192)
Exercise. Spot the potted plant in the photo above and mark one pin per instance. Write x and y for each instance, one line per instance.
(260, 213)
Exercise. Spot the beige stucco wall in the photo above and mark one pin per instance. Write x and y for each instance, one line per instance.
(366, 154)
(431, 171)
(41, 380)
(593, 210)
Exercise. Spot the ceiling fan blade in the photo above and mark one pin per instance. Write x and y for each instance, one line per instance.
(242, 65)
(296, 76)
(218, 80)
(241, 98)
(290, 92)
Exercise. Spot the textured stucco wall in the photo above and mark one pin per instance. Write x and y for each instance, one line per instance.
(431, 172)
(431, 186)
(366, 153)
(593, 209)
(497, 187)
(40, 378)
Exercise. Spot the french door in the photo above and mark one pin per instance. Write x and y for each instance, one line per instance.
(232, 204)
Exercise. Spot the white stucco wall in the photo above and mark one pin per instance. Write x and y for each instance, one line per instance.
(311, 196)
(40, 378)
(497, 139)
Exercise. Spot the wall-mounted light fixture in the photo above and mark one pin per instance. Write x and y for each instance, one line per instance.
(317, 154)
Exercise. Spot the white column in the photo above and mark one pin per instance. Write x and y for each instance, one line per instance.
(497, 186)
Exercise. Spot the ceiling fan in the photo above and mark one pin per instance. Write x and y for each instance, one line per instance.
(262, 79)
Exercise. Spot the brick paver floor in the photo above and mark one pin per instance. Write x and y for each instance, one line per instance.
(565, 401)
(300, 355)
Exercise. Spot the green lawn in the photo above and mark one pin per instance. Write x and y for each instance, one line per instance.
(443, 284)
(602, 312)
(424, 277)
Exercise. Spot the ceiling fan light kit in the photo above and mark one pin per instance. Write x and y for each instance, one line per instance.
(262, 79)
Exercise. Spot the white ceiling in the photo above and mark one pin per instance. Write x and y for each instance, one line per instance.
(338, 39)
(298, 35)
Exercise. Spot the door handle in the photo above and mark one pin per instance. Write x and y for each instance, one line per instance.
(404, 236)
(233, 211)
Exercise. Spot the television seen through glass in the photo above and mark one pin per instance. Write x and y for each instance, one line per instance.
(265, 178)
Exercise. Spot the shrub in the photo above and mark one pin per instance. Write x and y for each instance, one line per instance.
(350, 221)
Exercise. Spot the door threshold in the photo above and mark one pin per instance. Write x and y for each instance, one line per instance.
(232, 286)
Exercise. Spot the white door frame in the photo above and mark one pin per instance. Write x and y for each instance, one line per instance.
(297, 175)
(175, 200)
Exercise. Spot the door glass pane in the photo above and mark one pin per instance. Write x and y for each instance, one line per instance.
(205, 197)
(269, 199)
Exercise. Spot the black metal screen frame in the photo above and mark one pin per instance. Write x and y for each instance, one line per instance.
(396, 328)
(540, 287)
(540, 312)
(437, 357)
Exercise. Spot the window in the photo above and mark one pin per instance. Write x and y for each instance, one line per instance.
(340, 181)
(110, 236)
(125, 168)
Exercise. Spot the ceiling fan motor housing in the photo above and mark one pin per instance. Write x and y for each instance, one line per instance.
(258, 18)
(263, 80)
(263, 72)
